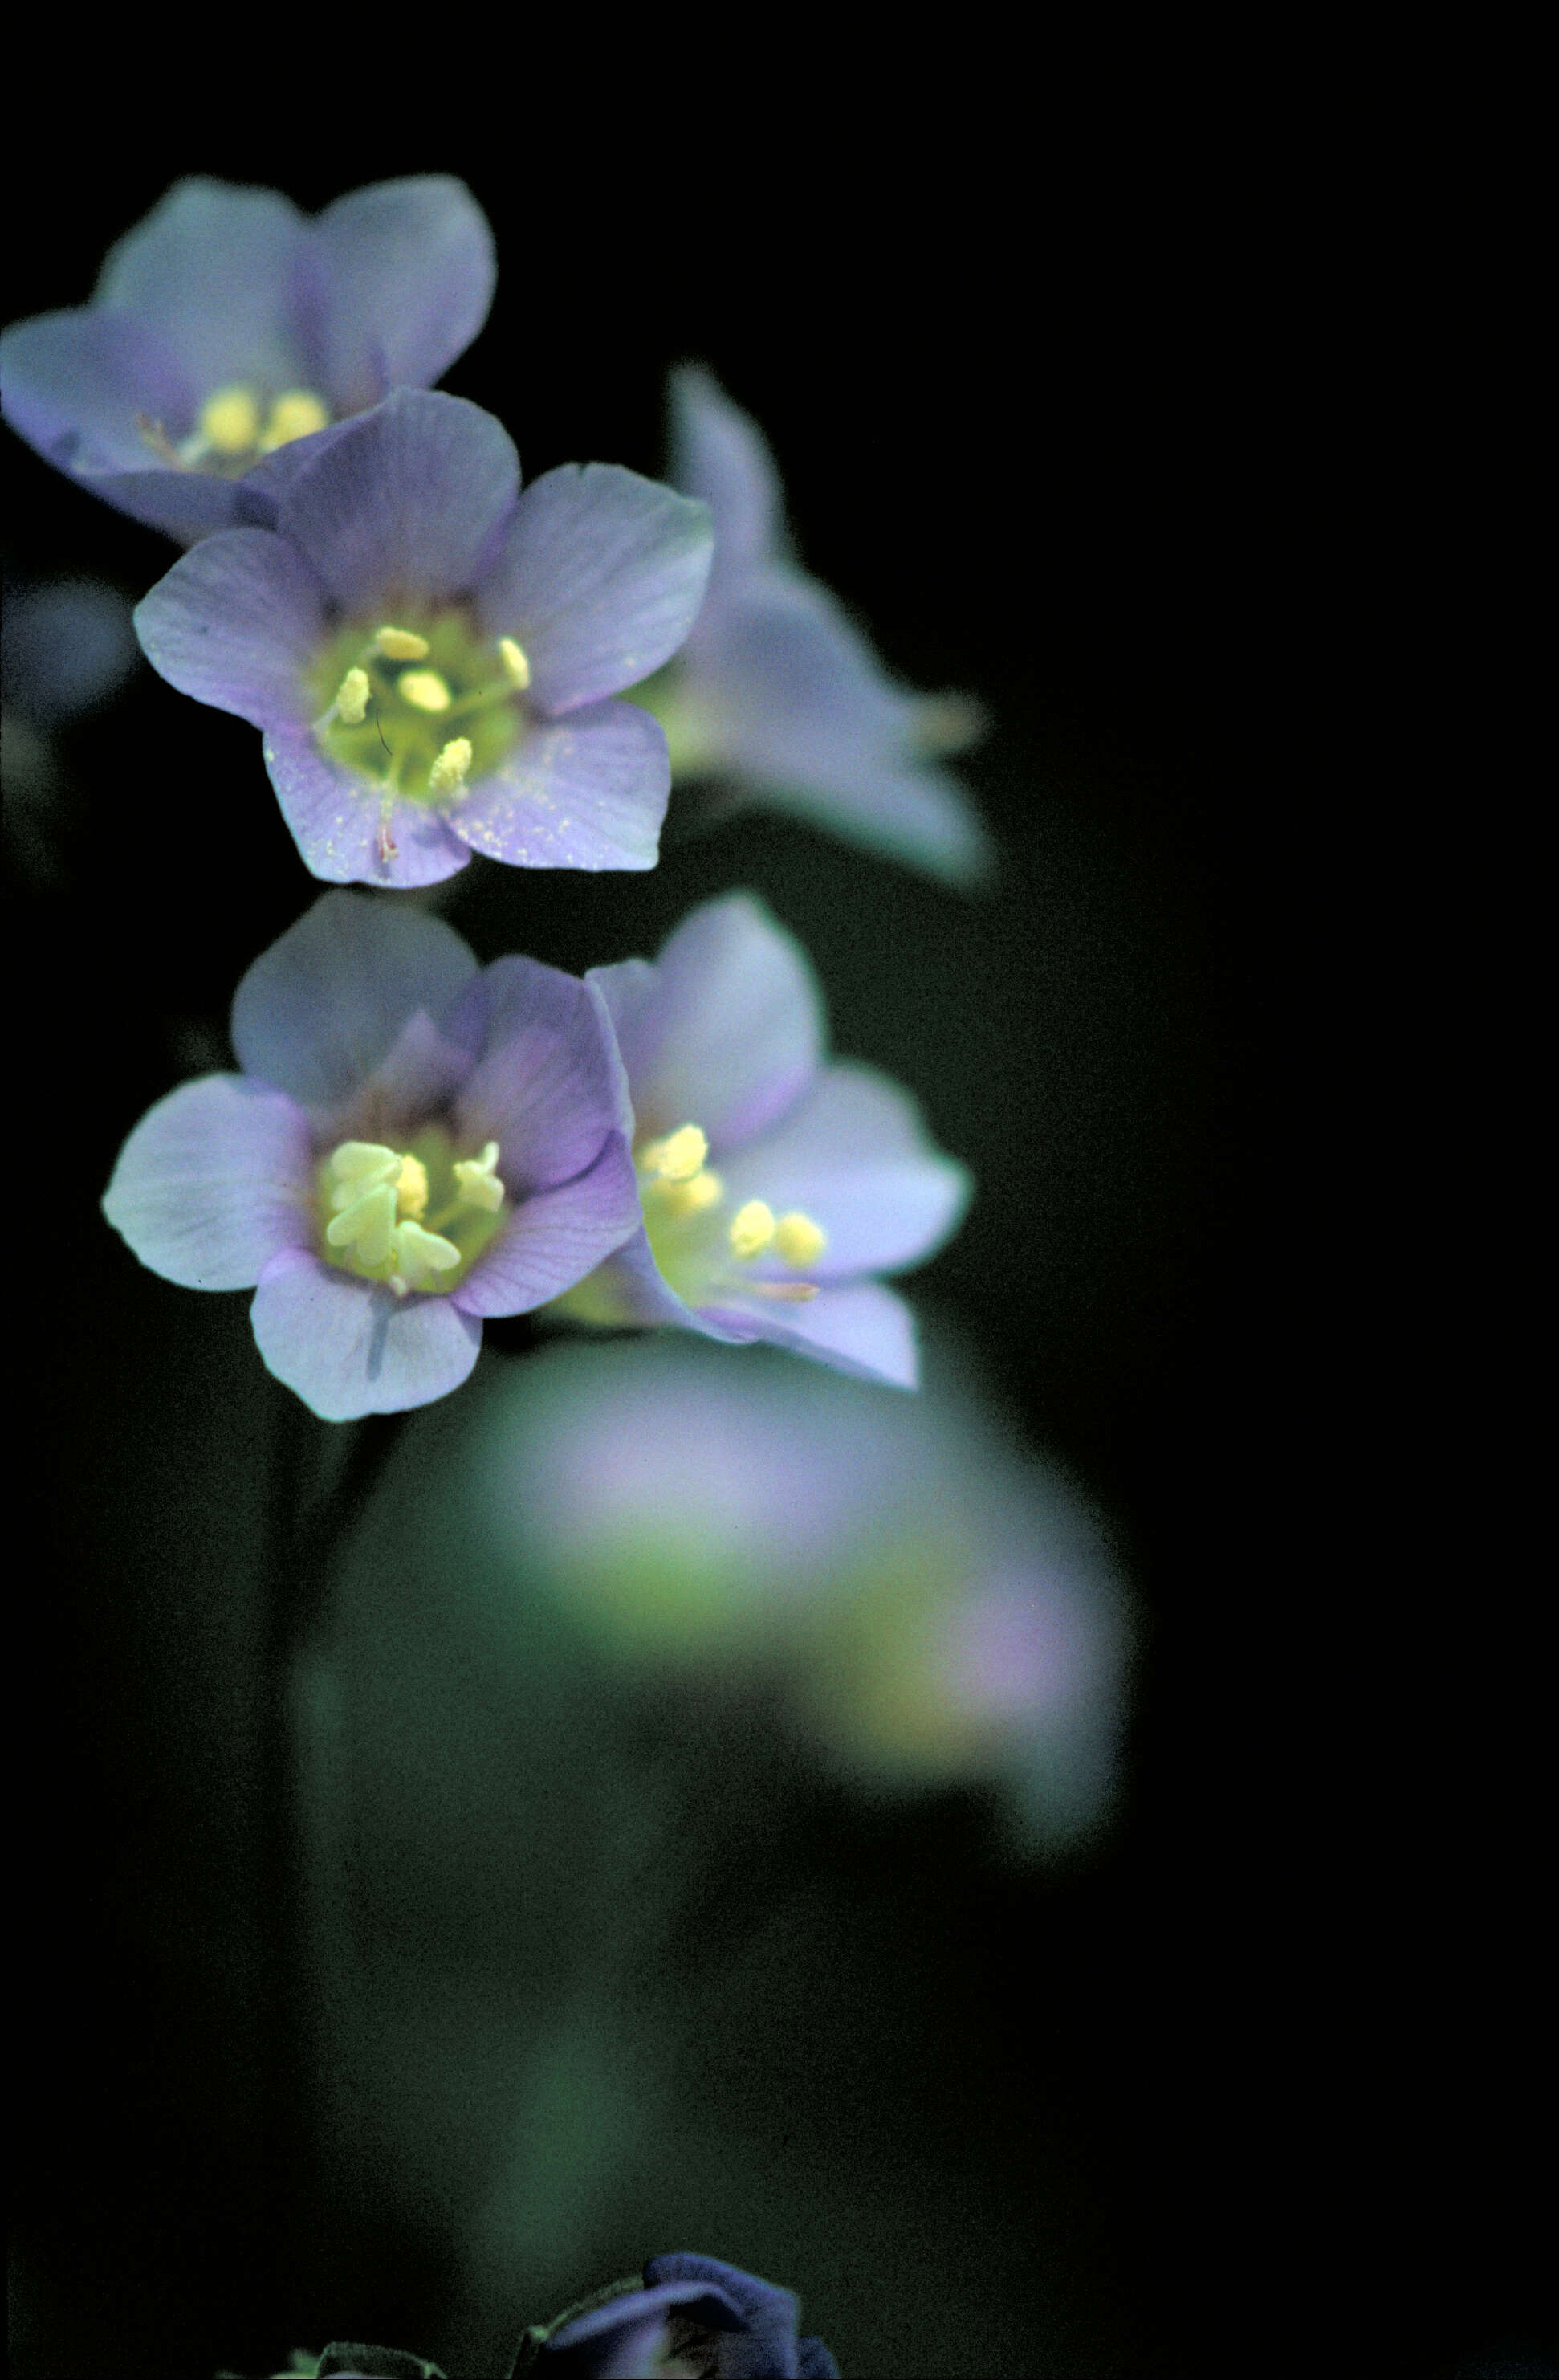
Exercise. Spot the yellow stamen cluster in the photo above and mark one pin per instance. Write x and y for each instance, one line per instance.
(677, 1184)
(378, 1202)
(231, 425)
(419, 712)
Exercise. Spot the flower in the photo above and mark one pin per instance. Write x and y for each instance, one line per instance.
(693, 2318)
(228, 328)
(427, 650)
(776, 696)
(824, 1173)
(414, 1143)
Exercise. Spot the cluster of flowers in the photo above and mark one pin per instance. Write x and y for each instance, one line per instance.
(436, 657)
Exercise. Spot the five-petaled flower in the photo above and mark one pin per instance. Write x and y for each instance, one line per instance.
(774, 1185)
(778, 698)
(430, 653)
(692, 2319)
(414, 1143)
(228, 328)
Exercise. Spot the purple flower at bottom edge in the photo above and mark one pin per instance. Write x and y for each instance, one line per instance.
(414, 1143)
(229, 330)
(694, 2318)
(430, 653)
(774, 1185)
(779, 698)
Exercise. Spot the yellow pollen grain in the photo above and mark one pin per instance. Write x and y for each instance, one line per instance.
(423, 689)
(229, 420)
(752, 1228)
(449, 772)
(799, 1240)
(400, 645)
(516, 668)
(411, 1186)
(298, 413)
(679, 1156)
(352, 698)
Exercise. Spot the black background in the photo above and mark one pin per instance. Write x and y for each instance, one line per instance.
(1085, 424)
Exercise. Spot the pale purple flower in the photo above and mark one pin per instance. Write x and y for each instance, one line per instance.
(778, 698)
(431, 654)
(227, 330)
(693, 2318)
(776, 1185)
(414, 1143)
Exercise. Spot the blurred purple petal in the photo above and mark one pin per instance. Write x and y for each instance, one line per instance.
(404, 502)
(338, 822)
(217, 270)
(718, 453)
(856, 1158)
(861, 1329)
(726, 1031)
(213, 1182)
(764, 2347)
(65, 647)
(814, 2361)
(407, 270)
(600, 575)
(589, 792)
(73, 384)
(554, 1238)
(349, 1347)
(547, 1087)
(325, 1005)
(235, 622)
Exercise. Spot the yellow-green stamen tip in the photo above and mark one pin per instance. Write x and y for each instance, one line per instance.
(752, 1228)
(798, 1239)
(477, 1180)
(229, 422)
(298, 413)
(400, 645)
(419, 1256)
(352, 698)
(695, 1195)
(449, 772)
(516, 668)
(423, 689)
(679, 1157)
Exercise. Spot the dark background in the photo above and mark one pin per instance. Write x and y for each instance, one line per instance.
(1096, 444)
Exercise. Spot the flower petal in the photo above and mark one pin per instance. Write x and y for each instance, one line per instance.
(769, 2314)
(235, 622)
(552, 1240)
(338, 824)
(626, 2336)
(213, 1182)
(325, 1005)
(857, 1159)
(629, 1290)
(717, 451)
(400, 505)
(815, 2361)
(73, 384)
(350, 1347)
(863, 1329)
(548, 1086)
(726, 1030)
(409, 271)
(219, 271)
(599, 578)
(588, 792)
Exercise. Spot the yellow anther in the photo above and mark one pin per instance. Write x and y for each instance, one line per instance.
(368, 1225)
(352, 698)
(799, 1240)
(229, 420)
(478, 1182)
(400, 645)
(360, 1165)
(694, 1197)
(423, 689)
(295, 414)
(419, 1255)
(449, 772)
(516, 669)
(679, 1157)
(752, 1228)
(411, 1186)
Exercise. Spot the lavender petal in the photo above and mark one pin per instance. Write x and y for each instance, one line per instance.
(409, 271)
(548, 1086)
(350, 1347)
(338, 822)
(553, 1239)
(235, 622)
(213, 1182)
(218, 272)
(588, 791)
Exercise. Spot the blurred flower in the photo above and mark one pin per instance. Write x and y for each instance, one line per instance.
(826, 1174)
(427, 649)
(778, 696)
(228, 329)
(694, 2317)
(935, 1603)
(66, 646)
(413, 1143)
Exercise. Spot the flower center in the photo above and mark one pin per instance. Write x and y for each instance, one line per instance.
(699, 1247)
(374, 1209)
(418, 711)
(236, 425)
